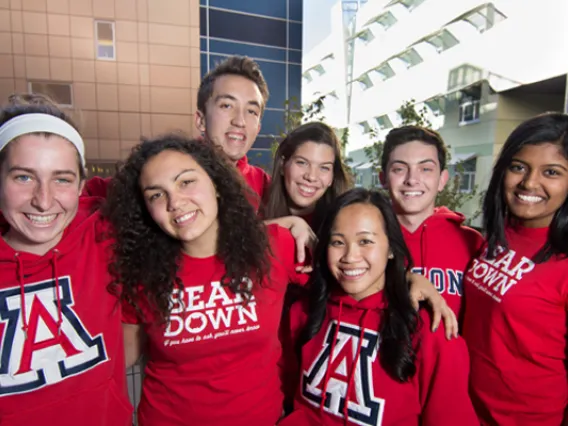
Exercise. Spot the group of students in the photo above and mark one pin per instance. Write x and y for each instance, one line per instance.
(189, 256)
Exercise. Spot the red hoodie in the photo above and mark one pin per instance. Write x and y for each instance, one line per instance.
(515, 327)
(435, 396)
(256, 178)
(69, 370)
(441, 248)
(217, 362)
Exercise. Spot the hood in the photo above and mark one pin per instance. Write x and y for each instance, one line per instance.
(24, 265)
(342, 307)
(442, 216)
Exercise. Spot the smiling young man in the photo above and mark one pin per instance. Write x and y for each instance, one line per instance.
(230, 103)
(414, 172)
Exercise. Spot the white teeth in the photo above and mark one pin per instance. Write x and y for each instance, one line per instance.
(41, 219)
(530, 198)
(412, 193)
(307, 189)
(185, 217)
(353, 272)
(237, 137)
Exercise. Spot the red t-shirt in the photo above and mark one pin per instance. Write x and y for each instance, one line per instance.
(441, 249)
(218, 363)
(437, 395)
(515, 327)
(70, 369)
(255, 177)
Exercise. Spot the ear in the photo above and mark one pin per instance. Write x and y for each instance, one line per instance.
(383, 179)
(200, 121)
(444, 176)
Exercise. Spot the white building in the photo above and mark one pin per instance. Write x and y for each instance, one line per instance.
(480, 68)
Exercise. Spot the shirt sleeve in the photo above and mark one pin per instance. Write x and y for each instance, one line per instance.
(442, 370)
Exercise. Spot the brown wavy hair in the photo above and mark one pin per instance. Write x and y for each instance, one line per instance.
(276, 202)
(146, 260)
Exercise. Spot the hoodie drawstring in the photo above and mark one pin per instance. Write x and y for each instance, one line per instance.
(22, 295)
(354, 368)
(328, 371)
(57, 292)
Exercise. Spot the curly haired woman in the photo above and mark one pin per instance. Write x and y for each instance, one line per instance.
(203, 283)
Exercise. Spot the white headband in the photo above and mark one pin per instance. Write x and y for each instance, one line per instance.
(32, 123)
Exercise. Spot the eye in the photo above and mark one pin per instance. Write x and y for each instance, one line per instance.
(397, 169)
(552, 173)
(427, 169)
(225, 106)
(336, 243)
(187, 182)
(516, 168)
(366, 241)
(23, 178)
(326, 168)
(63, 180)
(301, 162)
(254, 112)
(153, 197)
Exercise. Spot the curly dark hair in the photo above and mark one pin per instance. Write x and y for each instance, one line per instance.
(151, 275)
(397, 352)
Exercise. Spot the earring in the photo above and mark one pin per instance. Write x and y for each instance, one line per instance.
(391, 256)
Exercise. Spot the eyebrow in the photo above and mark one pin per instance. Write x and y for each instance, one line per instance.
(232, 98)
(154, 187)
(427, 160)
(545, 165)
(304, 158)
(339, 234)
(33, 172)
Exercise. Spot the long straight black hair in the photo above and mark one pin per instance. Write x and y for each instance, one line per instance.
(396, 352)
(545, 128)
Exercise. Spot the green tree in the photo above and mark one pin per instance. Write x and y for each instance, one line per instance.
(451, 196)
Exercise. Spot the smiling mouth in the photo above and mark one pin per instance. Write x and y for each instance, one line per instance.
(37, 219)
(306, 191)
(188, 217)
(236, 137)
(412, 194)
(353, 273)
(530, 199)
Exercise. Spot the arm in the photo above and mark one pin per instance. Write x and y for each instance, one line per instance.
(134, 340)
(423, 290)
(301, 231)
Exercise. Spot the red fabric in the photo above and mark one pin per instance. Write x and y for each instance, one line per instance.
(515, 327)
(221, 367)
(96, 187)
(441, 249)
(436, 395)
(70, 369)
(255, 177)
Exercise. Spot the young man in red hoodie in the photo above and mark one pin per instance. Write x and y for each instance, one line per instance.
(414, 172)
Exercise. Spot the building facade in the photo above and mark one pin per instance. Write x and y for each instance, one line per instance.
(476, 68)
(269, 32)
(123, 68)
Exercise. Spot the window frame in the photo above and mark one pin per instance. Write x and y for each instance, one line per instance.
(97, 42)
(55, 83)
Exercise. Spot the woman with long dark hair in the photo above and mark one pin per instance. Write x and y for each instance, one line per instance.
(366, 355)
(517, 290)
(203, 282)
(308, 174)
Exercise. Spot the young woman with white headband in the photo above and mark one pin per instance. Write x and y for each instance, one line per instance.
(61, 356)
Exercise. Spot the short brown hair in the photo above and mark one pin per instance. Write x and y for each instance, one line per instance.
(405, 134)
(234, 65)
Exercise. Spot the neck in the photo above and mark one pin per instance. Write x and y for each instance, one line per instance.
(298, 211)
(413, 221)
(18, 244)
(203, 246)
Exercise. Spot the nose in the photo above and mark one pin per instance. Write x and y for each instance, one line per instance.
(174, 202)
(411, 177)
(311, 173)
(238, 119)
(42, 197)
(352, 253)
(531, 180)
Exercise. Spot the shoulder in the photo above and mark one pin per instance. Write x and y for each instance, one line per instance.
(432, 344)
(279, 235)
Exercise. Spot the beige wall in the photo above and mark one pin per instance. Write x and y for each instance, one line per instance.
(151, 87)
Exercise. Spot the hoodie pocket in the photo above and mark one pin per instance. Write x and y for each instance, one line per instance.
(103, 405)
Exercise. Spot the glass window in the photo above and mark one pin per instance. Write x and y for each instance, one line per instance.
(61, 93)
(104, 36)
(443, 40)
